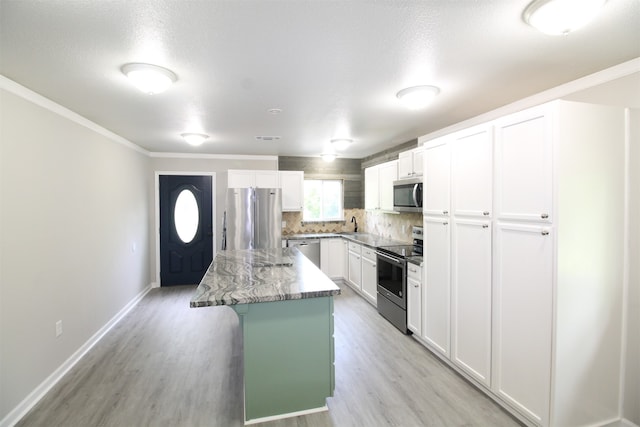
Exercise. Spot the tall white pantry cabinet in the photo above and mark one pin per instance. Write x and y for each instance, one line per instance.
(536, 253)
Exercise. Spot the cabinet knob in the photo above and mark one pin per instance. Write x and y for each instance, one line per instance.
(485, 226)
(445, 212)
(485, 213)
(544, 216)
(445, 223)
(374, 265)
(545, 232)
(416, 285)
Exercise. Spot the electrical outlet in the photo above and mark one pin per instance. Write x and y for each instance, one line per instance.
(284, 224)
(58, 328)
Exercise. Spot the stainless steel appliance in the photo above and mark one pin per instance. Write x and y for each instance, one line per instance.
(253, 219)
(309, 248)
(392, 279)
(407, 195)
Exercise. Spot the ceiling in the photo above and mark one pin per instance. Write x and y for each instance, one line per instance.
(332, 67)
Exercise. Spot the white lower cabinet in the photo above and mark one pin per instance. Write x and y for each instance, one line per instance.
(523, 313)
(471, 298)
(355, 265)
(414, 299)
(436, 289)
(369, 275)
(332, 257)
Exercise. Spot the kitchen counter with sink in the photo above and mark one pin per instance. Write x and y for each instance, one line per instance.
(285, 306)
(371, 240)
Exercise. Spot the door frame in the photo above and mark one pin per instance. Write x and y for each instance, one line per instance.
(156, 183)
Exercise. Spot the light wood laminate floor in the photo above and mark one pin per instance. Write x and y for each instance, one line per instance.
(166, 364)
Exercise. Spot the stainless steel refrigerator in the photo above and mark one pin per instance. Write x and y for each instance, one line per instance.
(253, 219)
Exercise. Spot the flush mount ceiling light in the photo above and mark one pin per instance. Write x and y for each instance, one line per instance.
(194, 139)
(417, 97)
(274, 111)
(560, 17)
(328, 157)
(150, 79)
(341, 144)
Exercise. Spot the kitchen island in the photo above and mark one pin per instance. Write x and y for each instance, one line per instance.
(285, 306)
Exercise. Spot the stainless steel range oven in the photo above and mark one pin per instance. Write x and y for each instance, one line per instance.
(392, 279)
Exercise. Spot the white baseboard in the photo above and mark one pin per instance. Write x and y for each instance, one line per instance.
(627, 423)
(38, 393)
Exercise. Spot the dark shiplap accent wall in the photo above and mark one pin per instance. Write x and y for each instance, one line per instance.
(351, 171)
(387, 155)
(346, 169)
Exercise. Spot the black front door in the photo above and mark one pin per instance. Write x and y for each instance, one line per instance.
(186, 229)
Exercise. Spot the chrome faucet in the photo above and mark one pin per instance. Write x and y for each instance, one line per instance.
(353, 220)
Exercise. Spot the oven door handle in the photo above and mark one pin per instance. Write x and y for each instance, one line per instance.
(399, 263)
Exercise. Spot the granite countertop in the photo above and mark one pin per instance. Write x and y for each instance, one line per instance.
(416, 259)
(261, 275)
(367, 239)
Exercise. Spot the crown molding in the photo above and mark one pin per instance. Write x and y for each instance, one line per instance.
(37, 99)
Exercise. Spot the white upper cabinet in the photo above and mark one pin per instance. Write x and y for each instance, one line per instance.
(378, 186)
(238, 178)
(371, 194)
(410, 163)
(437, 171)
(387, 174)
(472, 171)
(292, 184)
(524, 165)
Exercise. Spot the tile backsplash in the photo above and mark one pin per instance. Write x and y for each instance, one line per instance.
(392, 226)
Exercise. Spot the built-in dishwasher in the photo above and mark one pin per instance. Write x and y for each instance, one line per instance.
(309, 248)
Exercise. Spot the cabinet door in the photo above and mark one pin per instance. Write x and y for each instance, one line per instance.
(267, 179)
(241, 179)
(325, 259)
(405, 164)
(471, 171)
(414, 300)
(355, 269)
(418, 161)
(524, 166)
(437, 170)
(388, 173)
(336, 258)
(523, 283)
(292, 184)
(371, 192)
(369, 280)
(471, 298)
(436, 286)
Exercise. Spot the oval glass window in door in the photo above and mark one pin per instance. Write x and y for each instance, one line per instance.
(186, 215)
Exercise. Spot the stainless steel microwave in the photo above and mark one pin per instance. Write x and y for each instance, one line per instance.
(407, 195)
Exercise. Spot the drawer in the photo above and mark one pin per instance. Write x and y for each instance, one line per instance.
(414, 272)
(369, 253)
(355, 247)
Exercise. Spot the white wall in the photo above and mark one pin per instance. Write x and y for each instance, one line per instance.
(73, 205)
(631, 405)
(218, 164)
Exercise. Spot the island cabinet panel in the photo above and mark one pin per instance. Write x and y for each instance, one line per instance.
(288, 356)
